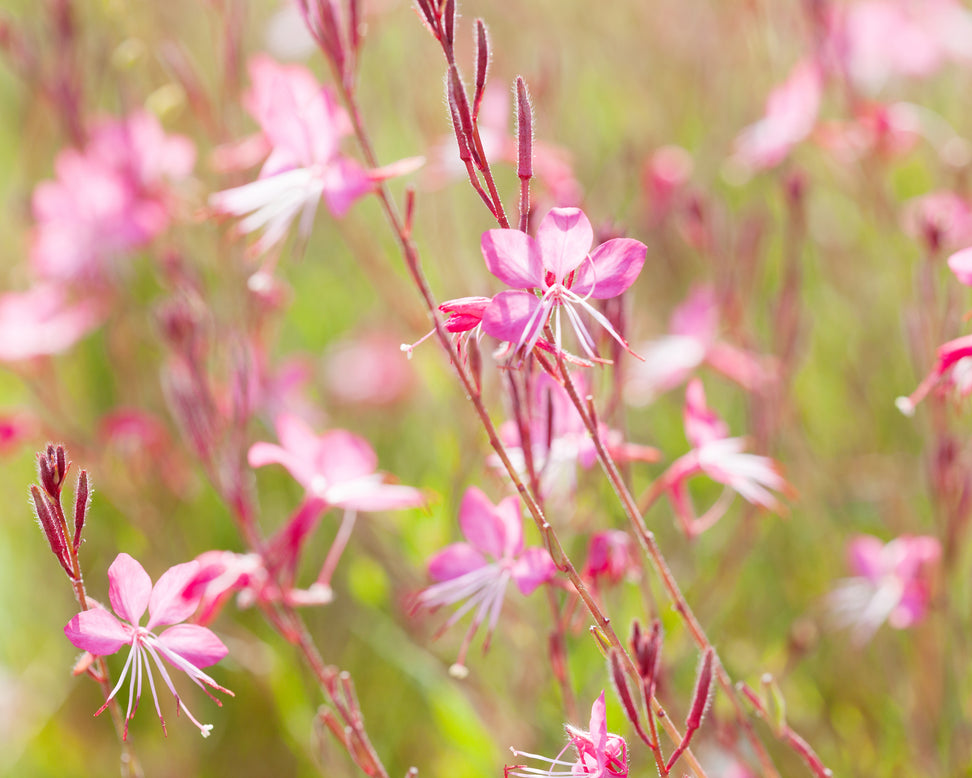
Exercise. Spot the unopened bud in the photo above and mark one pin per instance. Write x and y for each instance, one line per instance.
(482, 64)
(703, 691)
(524, 131)
(82, 499)
(624, 691)
(43, 510)
(450, 22)
(52, 467)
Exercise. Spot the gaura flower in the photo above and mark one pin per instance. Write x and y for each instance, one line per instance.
(479, 570)
(722, 459)
(953, 368)
(43, 321)
(302, 126)
(599, 753)
(891, 583)
(187, 647)
(556, 272)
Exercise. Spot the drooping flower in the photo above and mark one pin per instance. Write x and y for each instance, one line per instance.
(479, 570)
(722, 459)
(302, 127)
(560, 267)
(692, 342)
(187, 647)
(791, 112)
(600, 754)
(108, 199)
(891, 583)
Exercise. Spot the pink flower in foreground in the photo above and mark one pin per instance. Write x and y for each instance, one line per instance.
(42, 321)
(892, 583)
(791, 112)
(599, 753)
(302, 126)
(187, 647)
(107, 200)
(692, 342)
(722, 459)
(559, 266)
(479, 570)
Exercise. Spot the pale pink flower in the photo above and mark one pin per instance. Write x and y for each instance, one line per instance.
(560, 267)
(665, 176)
(692, 342)
(337, 468)
(108, 199)
(302, 126)
(722, 459)
(368, 370)
(941, 220)
(886, 131)
(600, 754)
(891, 583)
(187, 647)
(479, 570)
(960, 263)
(791, 112)
(611, 557)
(43, 321)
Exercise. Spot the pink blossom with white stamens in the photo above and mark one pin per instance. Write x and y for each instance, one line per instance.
(891, 583)
(560, 267)
(187, 647)
(479, 570)
(600, 754)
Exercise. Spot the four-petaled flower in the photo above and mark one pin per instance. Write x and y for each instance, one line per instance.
(560, 267)
(891, 583)
(187, 647)
(599, 753)
(478, 571)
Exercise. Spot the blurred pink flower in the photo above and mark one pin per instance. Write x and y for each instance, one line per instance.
(42, 321)
(665, 176)
(15, 428)
(302, 126)
(611, 557)
(791, 112)
(479, 570)
(599, 753)
(953, 365)
(108, 199)
(940, 219)
(892, 583)
(723, 460)
(693, 341)
(368, 370)
(187, 647)
(960, 263)
(559, 265)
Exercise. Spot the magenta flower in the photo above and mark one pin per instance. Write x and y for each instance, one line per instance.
(599, 753)
(953, 365)
(559, 267)
(43, 321)
(791, 113)
(302, 126)
(107, 200)
(692, 342)
(187, 647)
(611, 557)
(479, 570)
(722, 459)
(892, 583)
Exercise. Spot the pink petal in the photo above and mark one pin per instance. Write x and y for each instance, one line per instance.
(697, 316)
(960, 263)
(129, 588)
(97, 631)
(614, 266)
(261, 454)
(599, 723)
(864, 554)
(513, 257)
(344, 182)
(384, 497)
(196, 644)
(534, 567)
(169, 603)
(454, 561)
(510, 524)
(296, 436)
(565, 236)
(342, 456)
(482, 523)
(509, 314)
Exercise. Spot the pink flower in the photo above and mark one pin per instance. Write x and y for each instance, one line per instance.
(953, 364)
(692, 342)
(791, 112)
(611, 557)
(302, 125)
(599, 753)
(337, 468)
(941, 219)
(892, 583)
(107, 200)
(187, 647)
(559, 266)
(722, 459)
(479, 570)
(42, 321)
(368, 370)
